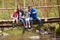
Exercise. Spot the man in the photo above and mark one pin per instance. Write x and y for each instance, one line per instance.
(33, 15)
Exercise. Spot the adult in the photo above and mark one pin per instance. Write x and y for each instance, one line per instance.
(33, 15)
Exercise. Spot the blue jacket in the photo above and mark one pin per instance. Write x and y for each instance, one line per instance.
(33, 13)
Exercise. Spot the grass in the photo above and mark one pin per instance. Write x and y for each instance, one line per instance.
(14, 31)
(16, 34)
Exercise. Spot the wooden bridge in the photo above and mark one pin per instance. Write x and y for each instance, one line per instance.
(9, 23)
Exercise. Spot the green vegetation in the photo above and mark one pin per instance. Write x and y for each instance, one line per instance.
(16, 34)
(6, 14)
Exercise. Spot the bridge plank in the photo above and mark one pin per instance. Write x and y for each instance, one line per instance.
(8, 23)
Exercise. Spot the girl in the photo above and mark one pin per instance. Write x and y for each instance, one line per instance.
(15, 16)
(27, 18)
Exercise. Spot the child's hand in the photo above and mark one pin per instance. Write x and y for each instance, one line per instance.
(23, 16)
(26, 17)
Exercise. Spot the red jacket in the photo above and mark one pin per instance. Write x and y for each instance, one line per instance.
(15, 14)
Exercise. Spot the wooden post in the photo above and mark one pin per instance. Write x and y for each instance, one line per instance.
(15, 1)
(2, 3)
(2, 29)
(58, 31)
(58, 3)
(33, 2)
(45, 10)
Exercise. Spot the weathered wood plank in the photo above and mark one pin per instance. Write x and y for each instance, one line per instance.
(8, 23)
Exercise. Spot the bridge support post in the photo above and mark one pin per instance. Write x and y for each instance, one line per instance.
(2, 29)
(58, 3)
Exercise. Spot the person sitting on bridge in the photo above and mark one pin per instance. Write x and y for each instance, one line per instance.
(33, 15)
(15, 16)
(24, 17)
(27, 18)
(21, 15)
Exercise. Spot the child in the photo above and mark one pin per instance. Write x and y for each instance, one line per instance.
(15, 16)
(27, 18)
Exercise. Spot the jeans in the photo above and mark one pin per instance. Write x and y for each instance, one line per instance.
(37, 18)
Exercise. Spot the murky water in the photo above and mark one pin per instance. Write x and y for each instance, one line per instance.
(25, 37)
(17, 35)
